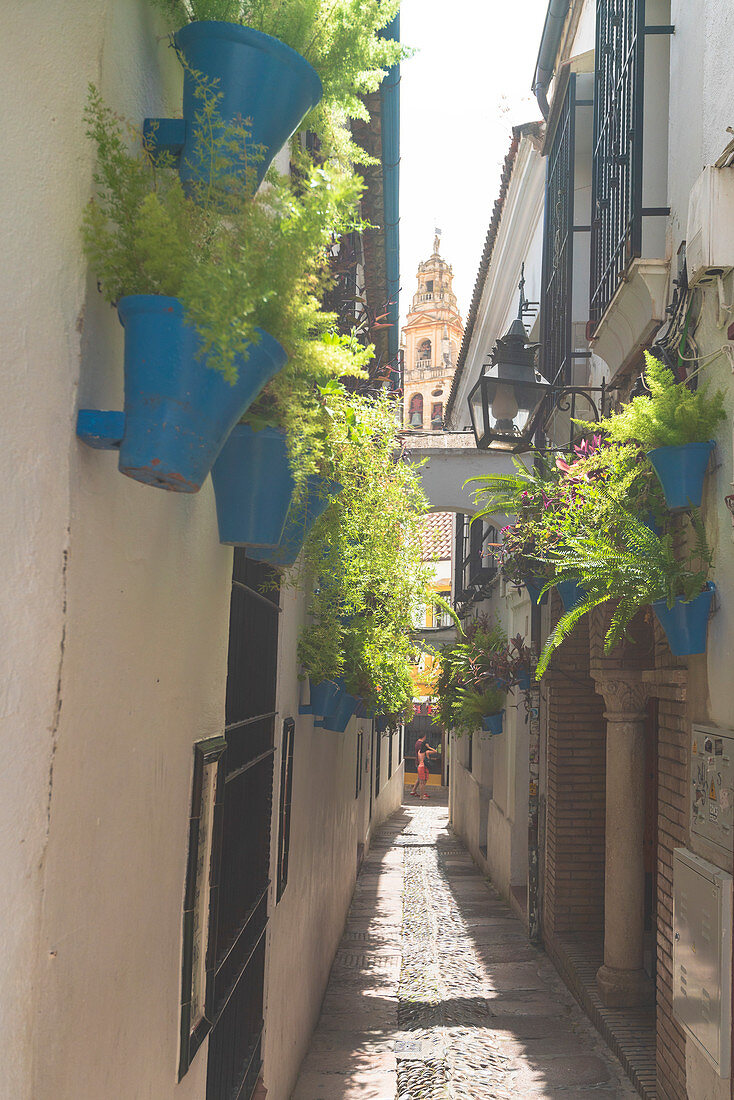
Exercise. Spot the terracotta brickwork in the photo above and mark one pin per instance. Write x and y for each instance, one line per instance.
(574, 865)
(673, 754)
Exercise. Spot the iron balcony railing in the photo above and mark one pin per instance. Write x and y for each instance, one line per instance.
(616, 188)
(559, 256)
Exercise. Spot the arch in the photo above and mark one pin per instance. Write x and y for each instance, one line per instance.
(449, 459)
(415, 410)
(424, 350)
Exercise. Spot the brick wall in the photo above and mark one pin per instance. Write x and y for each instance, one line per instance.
(575, 796)
(673, 752)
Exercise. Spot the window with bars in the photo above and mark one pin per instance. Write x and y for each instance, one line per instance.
(235, 1041)
(474, 562)
(626, 100)
(284, 816)
(565, 237)
(360, 752)
(378, 760)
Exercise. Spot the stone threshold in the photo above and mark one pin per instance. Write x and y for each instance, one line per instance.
(629, 1032)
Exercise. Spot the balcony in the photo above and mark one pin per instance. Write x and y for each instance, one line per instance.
(565, 278)
(629, 177)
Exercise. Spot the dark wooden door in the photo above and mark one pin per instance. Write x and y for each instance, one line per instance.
(236, 1038)
(650, 835)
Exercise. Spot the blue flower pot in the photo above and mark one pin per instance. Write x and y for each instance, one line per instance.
(523, 681)
(323, 697)
(253, 486)
(686, 624)
(571, 594)
(301, 518)
(492, 723)
(681, 471)
(262, 83)
(534, 585)
(178, 412)
(342, 713)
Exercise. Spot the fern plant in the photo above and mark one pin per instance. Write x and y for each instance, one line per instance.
(635, 568)
(468, 669)
(672, 414)
(340, 38)
(238, 259)
(476, 705)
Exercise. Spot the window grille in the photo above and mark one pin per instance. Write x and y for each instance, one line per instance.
(557, 293)
(360, 751)
(235, 1040)
(378, 760)
(616, 190)
(286, 791)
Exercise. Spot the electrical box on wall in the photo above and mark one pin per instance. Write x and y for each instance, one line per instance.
(702, 955)
(710, 229)
(712, 786)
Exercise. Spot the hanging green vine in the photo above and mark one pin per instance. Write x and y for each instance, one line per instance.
(364, 555)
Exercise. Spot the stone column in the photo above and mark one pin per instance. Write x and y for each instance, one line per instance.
(622, 981)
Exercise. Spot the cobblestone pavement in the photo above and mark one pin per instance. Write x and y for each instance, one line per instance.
(436, 994)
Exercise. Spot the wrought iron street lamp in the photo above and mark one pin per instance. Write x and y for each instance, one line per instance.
(505, 402)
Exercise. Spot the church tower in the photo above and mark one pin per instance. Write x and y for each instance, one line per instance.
(431, 340)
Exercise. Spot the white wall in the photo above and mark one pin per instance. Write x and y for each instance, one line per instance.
(328, 822)
(109, 674)
(115, 616)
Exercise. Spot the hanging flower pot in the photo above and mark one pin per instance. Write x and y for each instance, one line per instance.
(263, 84)
(341, 716)
(534, 586)
(323, 696)
(301, 517)
(571, 594)
(523, 680)
(253, 486)
(686, 624)
(681, 471)
(492, 723)
(178, 412)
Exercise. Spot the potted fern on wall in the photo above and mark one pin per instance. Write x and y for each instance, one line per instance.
(675, 426)
(272, 62)
(636, 568)
(200, 284)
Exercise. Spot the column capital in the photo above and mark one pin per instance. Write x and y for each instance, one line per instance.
(625, 695)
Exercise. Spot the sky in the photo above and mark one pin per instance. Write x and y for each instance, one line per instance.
(461, 93)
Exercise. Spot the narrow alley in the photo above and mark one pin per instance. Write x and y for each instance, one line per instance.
(436, 992)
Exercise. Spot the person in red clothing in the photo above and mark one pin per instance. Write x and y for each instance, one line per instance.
(422, 774)
(421, 748)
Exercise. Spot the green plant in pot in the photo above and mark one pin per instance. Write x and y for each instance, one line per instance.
(469, 666)
(675, 426)
(481, 710)
(634, 568)
(341, 41)
(201, 280)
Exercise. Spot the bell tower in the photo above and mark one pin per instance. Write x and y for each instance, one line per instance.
(431, 340)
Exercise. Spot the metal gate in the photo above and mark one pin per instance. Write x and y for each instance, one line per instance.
(236, 1037)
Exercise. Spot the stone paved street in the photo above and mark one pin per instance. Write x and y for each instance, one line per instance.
(435, 992)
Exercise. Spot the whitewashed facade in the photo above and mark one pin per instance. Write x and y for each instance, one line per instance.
(115, 612)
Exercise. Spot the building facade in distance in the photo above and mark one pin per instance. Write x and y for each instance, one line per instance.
(431, 340)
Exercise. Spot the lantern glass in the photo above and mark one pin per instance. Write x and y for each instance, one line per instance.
(476, 411)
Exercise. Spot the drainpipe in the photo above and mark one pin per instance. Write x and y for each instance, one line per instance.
(390, 129)
(555, 17)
